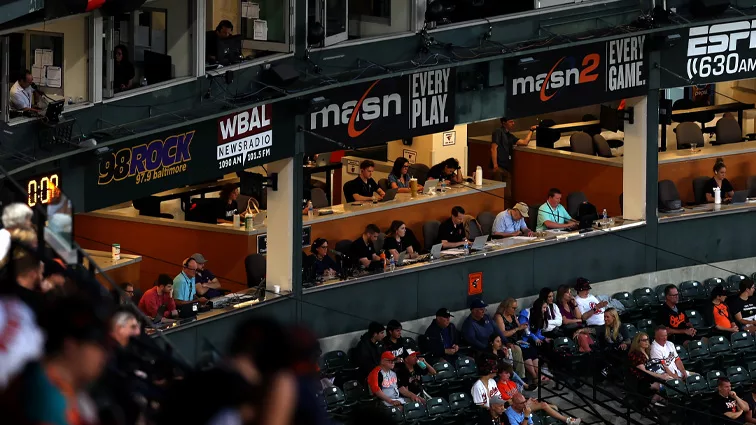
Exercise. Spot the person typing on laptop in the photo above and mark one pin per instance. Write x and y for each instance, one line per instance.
(362, 250)
(398, 240)
(159, 295)
(184, 284)
(511, 222)
(363, 186)
(451, 233)
(552, 215)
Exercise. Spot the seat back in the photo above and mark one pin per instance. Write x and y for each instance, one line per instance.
(645, 325)
(581, 142)
(751, 186)
(414, 411)
(319, 198)
(444, 371)
(343, 246)
(697, 349)
(396, 414)
(410, 343)
(699, 189)
(697, 384)
(532, 219)
(626, 299)
(564, 345)
(383, 184)
(334, 395)
(645, 297)
(474, 230)
(485, 220)
(460, 401)
(601, 146)
(430, 233)
(733, 282)
(718, 344)
(378, 244)
(354, 391)
(630, 329)
(741, 341)
(255, 267)
(437, 406)
(695, 318)
(711, 282)
(668, 195)
(737, 375)
(660, 291)
(693, 290)
(676, 388)
(335, 360)
(466, 366)
(712, 378)
(687, 134)
(574, 199)
(420, 172)
(728, 131)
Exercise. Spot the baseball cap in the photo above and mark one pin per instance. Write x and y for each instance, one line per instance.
(409, 352)
(443, 312)
(522, 208)
(497, 400)
(388, 355)
(393, 325)
(199, 258)
(718, 291)
(478, 303)
(582, 284)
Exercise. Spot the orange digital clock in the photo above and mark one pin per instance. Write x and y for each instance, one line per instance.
(41, 190)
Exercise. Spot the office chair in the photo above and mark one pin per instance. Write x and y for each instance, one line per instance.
(751, 186)
(728, 131)
(669, 197)
(486, 220)
(688, 133)
(420, 172)
(319, 199)
(574, 199)
(582, 142)
(601, 146)
(699, 189)
(430, 233)
(383, 184)
(545, 135)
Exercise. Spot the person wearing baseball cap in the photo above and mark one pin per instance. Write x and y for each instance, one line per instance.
(441, 337)
(383, 382)
(410, 374)
(718, 314)
(590, 308)
(502, 148)
(494, 415)
(478, 326)
(511, 222)
(206, 283)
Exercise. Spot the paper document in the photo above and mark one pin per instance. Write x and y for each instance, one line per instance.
(523, 238)
(47, 57)
(38, 73)
(38, 57)
(261, 30)
(54, 77)
(453, 251)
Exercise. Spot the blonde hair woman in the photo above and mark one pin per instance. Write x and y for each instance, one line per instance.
(614, 335)
(506, 319)
(646, 370)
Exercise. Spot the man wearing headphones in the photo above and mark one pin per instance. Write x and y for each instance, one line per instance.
(184, 289)
(224, 30)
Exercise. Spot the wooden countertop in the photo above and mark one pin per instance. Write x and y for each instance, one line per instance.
(701, 211)
(105, 260)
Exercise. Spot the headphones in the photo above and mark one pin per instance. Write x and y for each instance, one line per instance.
(186, 263)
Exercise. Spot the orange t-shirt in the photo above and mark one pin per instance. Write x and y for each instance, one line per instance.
(507, 389)
(722, 315)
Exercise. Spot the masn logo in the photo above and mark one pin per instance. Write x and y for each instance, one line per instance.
(150, 161)
(548, 85)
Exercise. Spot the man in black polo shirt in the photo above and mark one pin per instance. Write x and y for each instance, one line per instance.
(363, 187)
(678, 327)
(448, 170)
(362, 251)
(502, 146)
(206, 284)
(451, 233)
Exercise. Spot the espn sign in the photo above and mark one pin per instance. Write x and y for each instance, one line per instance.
(244, 136)
(720, 38)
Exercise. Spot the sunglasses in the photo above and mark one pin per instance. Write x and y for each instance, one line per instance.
(644, 340)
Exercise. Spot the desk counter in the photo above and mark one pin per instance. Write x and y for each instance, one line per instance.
(706, 210)
(127, 269)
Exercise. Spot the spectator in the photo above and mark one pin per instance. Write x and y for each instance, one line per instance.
(362, 251)
(22, 339)
(228, 206)
(568, 309)
(441, 336)
(207, 286)
(509, 390)
(519, 413)
(399, 240)
(719, 181)
(367, 354)
(478, 327)
(15, 216)
(535, 317)
(553, 315)
(383, 382)
(410, 374)
(449, 170)
(320, 262)
(743, 307)
(552, 215)
(399, 177)
(726, 405)
(613, 335)
(503, 354)
(751, 400)
(363, 187)
(484, 389)
(159, 295)
(451, 233)
(393, 341)
(123, 326)
(511, 222)
(678, 327)
(718, 313)
(224, 30)
(185, 284)
(664, 350)
(646, 370)
(590, 308)
(507, 322)
(494, 415)
(123, 70)
(126, 296)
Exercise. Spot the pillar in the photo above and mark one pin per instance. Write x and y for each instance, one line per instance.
(634, 162)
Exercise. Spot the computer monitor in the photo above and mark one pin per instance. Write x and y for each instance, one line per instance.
(229, 50)
(54, 109)
(610, 119)
(157, 67)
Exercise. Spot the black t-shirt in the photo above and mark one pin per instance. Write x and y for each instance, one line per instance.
(484, 418)
(748, 398)
(726, 187)
(390, 243)
(360, 250)
(450, 233)
(505, 142)
(228, 210)
(396, 348)
(211, 44)
(671, 318)
(746, 308)
(412, 380)
(359, 187)
(721, 405)
(437, 172)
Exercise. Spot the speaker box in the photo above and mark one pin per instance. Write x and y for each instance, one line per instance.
(281, 75)
(708, 8)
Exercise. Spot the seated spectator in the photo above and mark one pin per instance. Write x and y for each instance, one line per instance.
(664, 350)
(568, 309)
(508, 390)
(449, 171)
(519, 412)
(511, 222)
(383, 382)
(367, 354)
(678, 327)
(320, 262)
(613, 336)
(751, 400)
(553, 315)
(126, 296)
(362, 250)
(15, 216)
(552, 215)
(504, 356)
(441, 337)
(398, 240)
(494, 415)
(718, 313)
(410, 375)
(207, 286)
(363, 187)
(485, 388)
(726, 405)
(159, 295)
(743, 307)
(123, 326)
(535, 318)
(508, 324)
(719, 181)
(590, 308)
(185, 284)
(478, 327)
(649, 372)
(399, 178)
(393, 342)
(451, 233)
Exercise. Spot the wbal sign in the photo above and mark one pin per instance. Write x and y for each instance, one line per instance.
(244, 136)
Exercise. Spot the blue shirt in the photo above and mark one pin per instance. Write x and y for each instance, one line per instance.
(183, 287)
(516, 418)
(394, 179)
(558, 215)
(504, 223)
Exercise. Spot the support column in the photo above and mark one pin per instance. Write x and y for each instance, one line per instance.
(652, 159)
(634, 162)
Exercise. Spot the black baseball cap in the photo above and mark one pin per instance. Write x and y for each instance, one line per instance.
(582, 284)
(444, 312)
(718, 291)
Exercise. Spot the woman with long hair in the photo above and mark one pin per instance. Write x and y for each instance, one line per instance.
(398, 239)
(553, 315)
(123, 70)
(399, 177)
(613, 335)
(503, 353)
(719, 180)
(570, 323)
(228, 195)
(506, 319)
(646, 370)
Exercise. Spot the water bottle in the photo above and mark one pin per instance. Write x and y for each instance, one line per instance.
(310, 212)
(443, 185)
(392, 264)
(467, 246)
(70, 100)
(604, 215)
(143, 82)
(421, 364)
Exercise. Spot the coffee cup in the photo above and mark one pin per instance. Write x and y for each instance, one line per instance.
(413, 187)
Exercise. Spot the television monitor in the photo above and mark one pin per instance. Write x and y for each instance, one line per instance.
(157, 67)
(610, 119)
(229, 50)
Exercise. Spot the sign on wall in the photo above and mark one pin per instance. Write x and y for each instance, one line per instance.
(388, 109)
(410, 155)
(577, 76)
(475, 283)
(450, 138)
(709, 54)
(244, 136)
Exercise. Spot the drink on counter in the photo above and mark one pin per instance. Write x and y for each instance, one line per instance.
(116, 251)
(413, 187)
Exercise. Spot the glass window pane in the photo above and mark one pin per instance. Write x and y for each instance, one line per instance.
(374, 18)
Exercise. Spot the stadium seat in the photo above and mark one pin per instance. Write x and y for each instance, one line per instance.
(683, 354)
(336, 400)
(733, 283)
(753, 276)
(646, 298)
(355, 392)
(459, 402)
(697, 385)
(719, 347)
(631, 330)
(437, 406)
(567, 355)
(646, 325)
(676, 389)
(699, 352)
(335, 360)
(711, 282)
(738, 376)
(631, 312)
(660, 292)
(697, 321)
(695, 292)
(414, 412)
(712, 377)
(466, 368)
(410, 343)
(751, 368)
(445, 376)
(396, 414)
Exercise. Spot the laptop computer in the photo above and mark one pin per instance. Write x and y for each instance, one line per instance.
(430, 187)
(479, 243)
(259, 218)
(188, 310)
(402, 257)
(435, 251)
(390, 195)
(159, 315)
(740, 197)
(323, 159)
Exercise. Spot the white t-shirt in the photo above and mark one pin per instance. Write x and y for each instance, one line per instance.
(587, 304)
(5, 243)
(667, 354)
(21, 98)
(481, 394)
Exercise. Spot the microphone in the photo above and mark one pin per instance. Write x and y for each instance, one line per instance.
(334, 252)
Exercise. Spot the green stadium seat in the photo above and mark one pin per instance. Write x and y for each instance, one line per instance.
(697, 384)
(719, 347)
(396, 414)
(713, 376)
(356, 392)
(646, 326)
(733, 283)
(738, 376)
(414, 412)
(696, 320)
